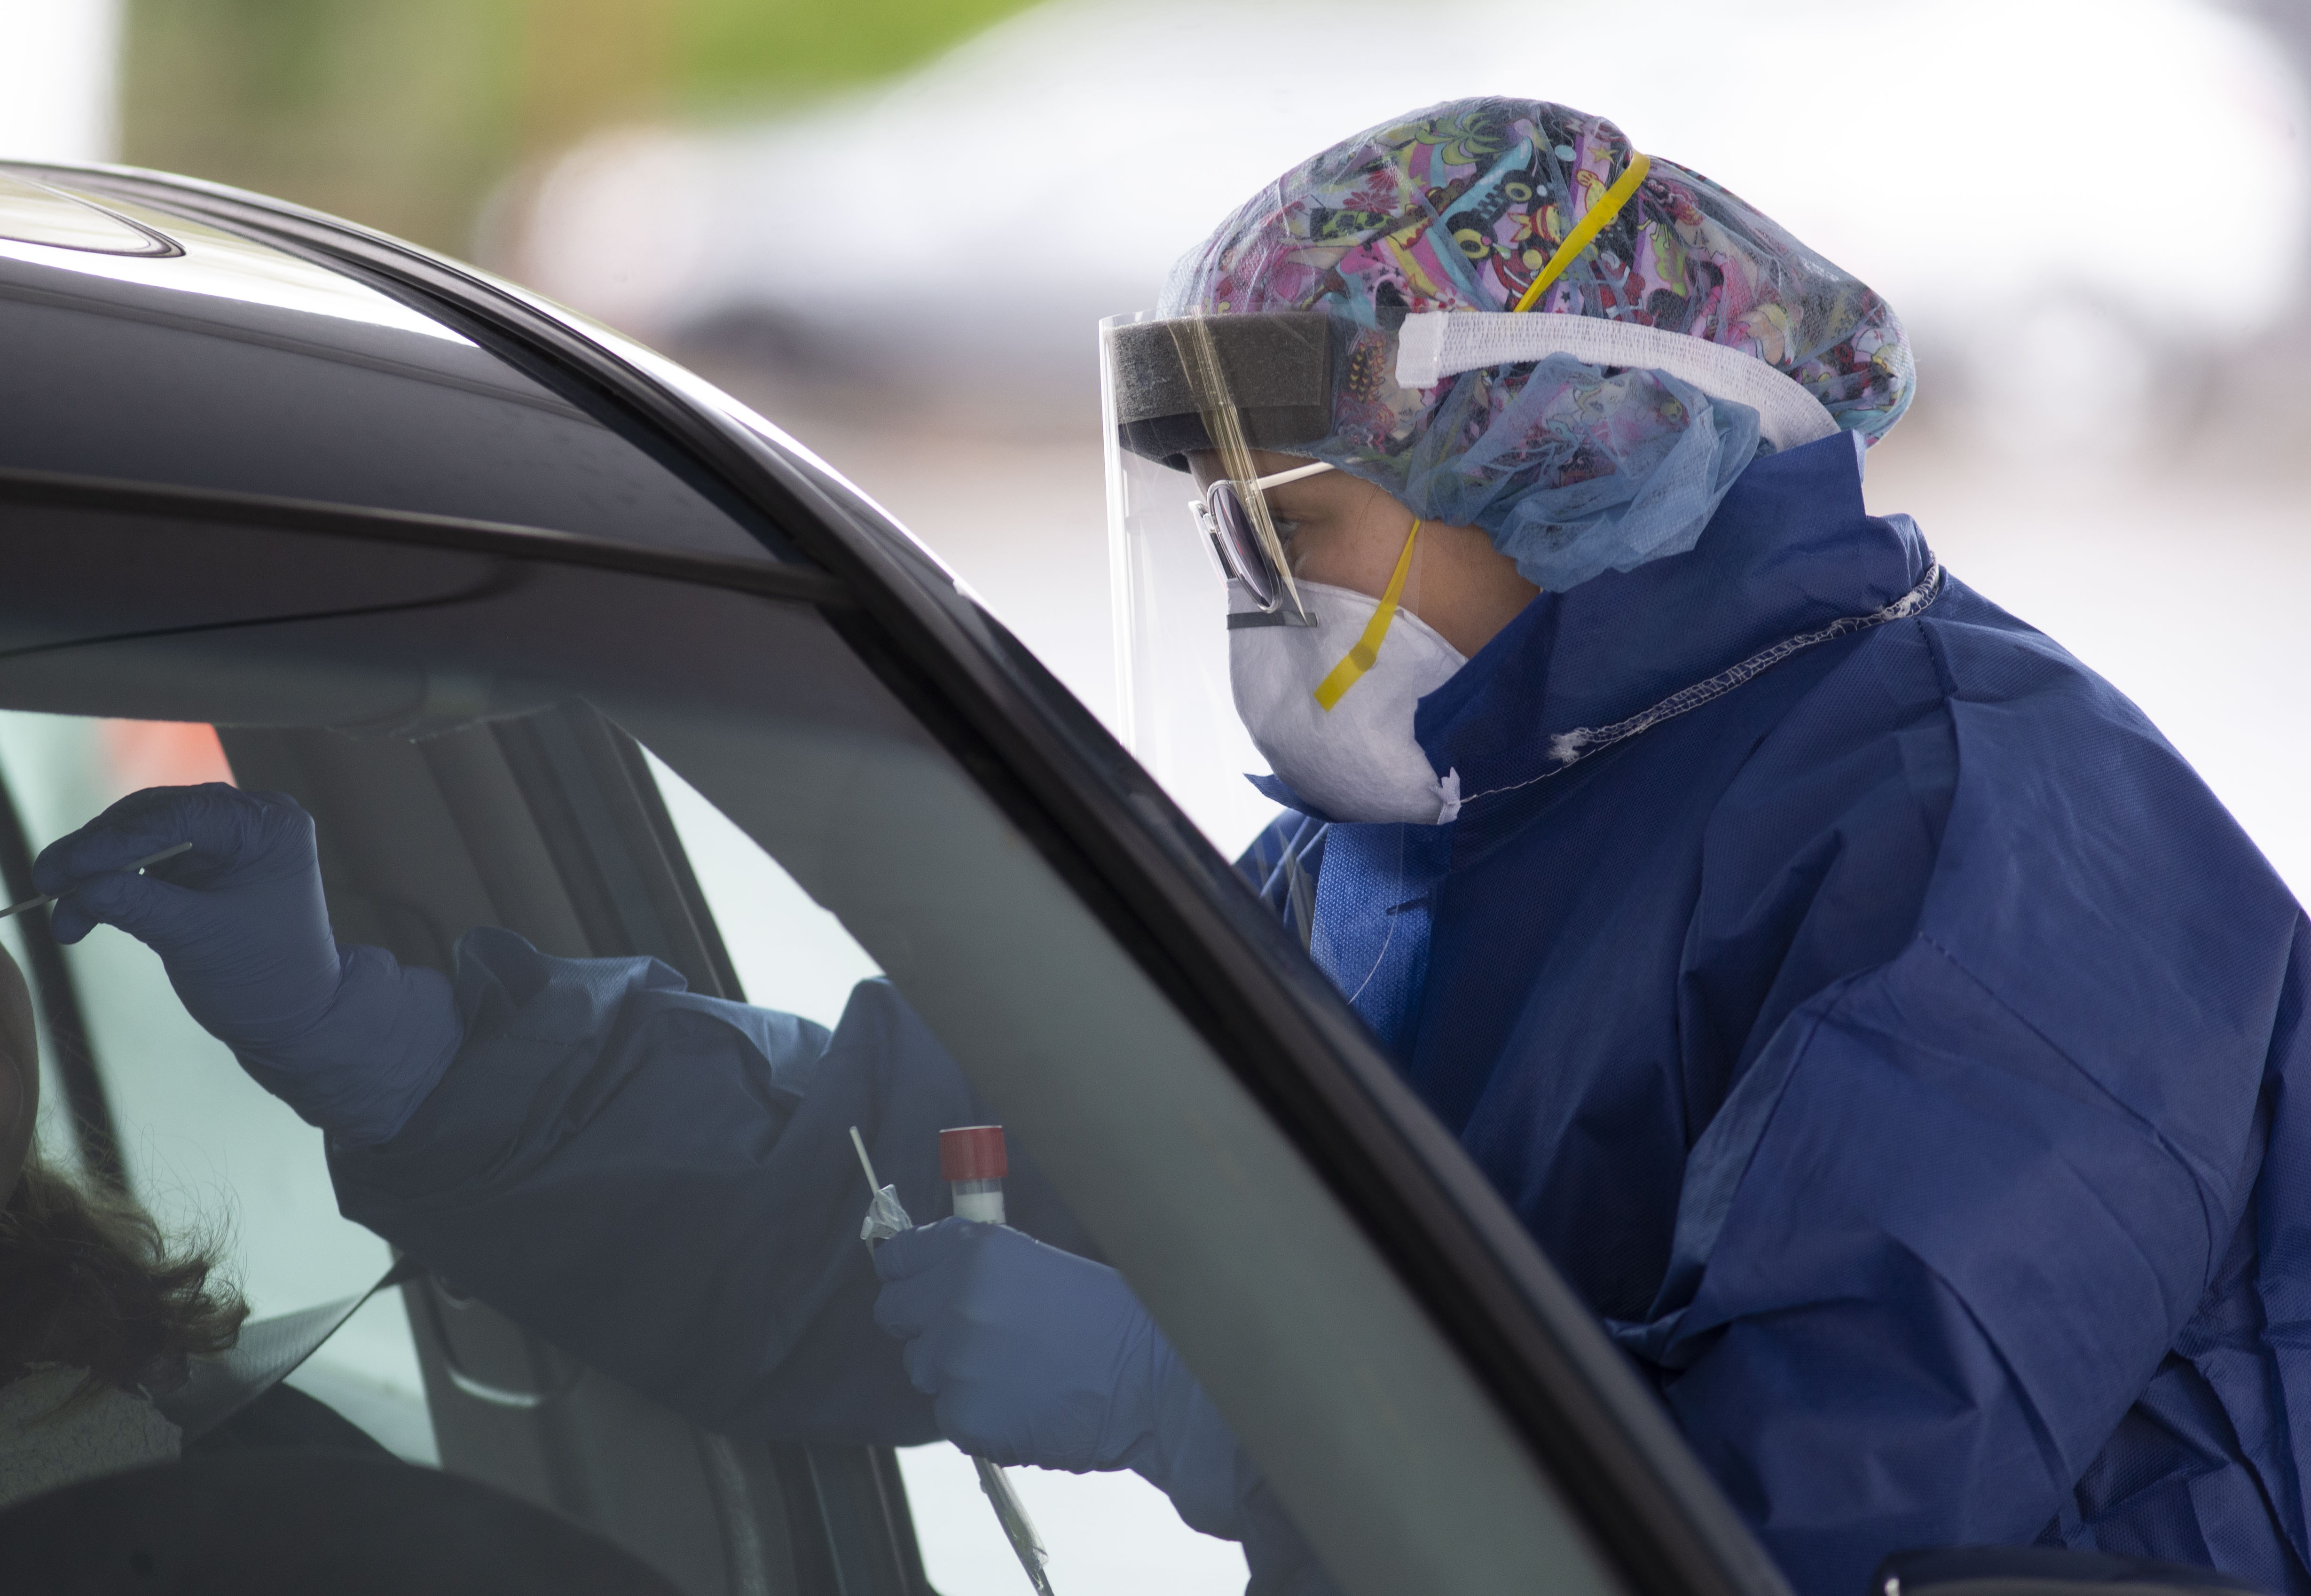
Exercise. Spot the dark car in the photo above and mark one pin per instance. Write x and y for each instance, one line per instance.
(549, 634)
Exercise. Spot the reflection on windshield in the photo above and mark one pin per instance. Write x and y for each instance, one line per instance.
(217, 264)
(32, 213)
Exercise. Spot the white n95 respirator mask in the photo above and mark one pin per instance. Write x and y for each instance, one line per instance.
(1329, 706)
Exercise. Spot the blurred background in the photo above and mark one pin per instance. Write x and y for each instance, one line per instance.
(890, 225)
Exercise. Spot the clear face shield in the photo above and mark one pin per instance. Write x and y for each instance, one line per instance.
(1254, 584)
(1195, 408)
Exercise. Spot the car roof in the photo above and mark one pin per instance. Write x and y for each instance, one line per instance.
(229, 363)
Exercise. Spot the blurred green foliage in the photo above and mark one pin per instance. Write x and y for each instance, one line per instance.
(406, 115)
(740, 50)
(400, 113)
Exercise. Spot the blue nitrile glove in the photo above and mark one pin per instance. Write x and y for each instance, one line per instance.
(346, 1036)
(1030, 1355)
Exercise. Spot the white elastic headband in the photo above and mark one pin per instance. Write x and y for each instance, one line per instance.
(1435, 345)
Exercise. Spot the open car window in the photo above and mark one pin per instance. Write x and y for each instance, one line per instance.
(1109, 1533)
(200, 1146)
(213, 1157)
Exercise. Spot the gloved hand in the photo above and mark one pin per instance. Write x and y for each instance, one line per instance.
(1030, 1355)
(347, 1037)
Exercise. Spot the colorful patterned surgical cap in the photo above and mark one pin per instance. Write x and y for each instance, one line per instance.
(1572, 469)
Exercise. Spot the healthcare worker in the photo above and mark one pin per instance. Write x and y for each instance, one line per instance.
(1880, 1025)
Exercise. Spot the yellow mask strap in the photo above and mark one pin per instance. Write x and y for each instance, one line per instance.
(1359, 659)
(1600, 215)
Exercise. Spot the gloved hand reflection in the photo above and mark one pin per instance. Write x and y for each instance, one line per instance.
(1029, 1355)
(349, 1039)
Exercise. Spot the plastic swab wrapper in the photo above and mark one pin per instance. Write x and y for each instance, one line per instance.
(886, 1216)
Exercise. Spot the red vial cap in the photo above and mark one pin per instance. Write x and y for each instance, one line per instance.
(972, 1152)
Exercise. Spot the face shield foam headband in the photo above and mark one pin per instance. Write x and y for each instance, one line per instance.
(1181, 384)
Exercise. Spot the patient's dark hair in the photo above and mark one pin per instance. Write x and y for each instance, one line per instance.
(86, 1281)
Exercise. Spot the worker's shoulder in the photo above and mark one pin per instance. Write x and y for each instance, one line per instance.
(2060, 775)
(1997, 671)
(1964, 697)
(1987, 655)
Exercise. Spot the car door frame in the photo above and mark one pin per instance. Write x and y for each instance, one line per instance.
(1142, 869)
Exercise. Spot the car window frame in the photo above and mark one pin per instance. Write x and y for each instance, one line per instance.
(1141, 869)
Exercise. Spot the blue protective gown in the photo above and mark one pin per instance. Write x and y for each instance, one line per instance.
(1894, 1050)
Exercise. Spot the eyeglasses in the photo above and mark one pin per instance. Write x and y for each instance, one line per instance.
(1244, 555)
